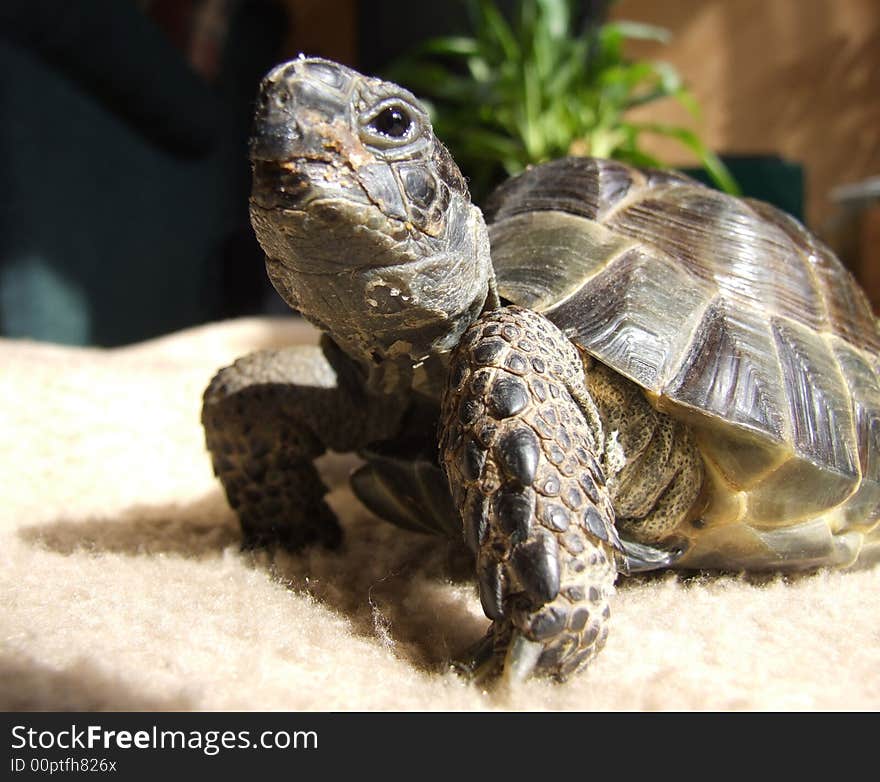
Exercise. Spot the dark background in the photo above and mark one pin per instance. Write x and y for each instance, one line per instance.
(124, 166)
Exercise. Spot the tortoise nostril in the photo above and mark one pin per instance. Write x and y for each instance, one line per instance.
(281, 97)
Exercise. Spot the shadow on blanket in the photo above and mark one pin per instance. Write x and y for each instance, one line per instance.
(185, 530)
(380, 578)
(82, 687)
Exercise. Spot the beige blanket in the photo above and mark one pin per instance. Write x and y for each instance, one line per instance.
(123, 587)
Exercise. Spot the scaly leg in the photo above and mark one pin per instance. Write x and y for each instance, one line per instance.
(266, 418)
(521, 444)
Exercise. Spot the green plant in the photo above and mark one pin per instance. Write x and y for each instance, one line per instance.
(512, 95)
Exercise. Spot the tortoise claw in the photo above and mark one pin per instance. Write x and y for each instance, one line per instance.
(485, 661)
(640, 557)
(521, 660)
(479, 663)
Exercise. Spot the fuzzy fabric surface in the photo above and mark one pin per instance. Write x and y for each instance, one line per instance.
(123, 585)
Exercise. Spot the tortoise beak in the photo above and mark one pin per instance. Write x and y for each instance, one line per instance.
(303, 147)
(298, 109)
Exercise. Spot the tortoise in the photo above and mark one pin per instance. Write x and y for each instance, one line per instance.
(644, 373)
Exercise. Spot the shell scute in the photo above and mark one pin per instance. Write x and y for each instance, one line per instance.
(727, 371)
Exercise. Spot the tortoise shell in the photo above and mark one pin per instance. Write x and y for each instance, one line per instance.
(732, 317)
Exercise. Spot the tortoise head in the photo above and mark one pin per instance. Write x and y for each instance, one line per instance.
(365, 219)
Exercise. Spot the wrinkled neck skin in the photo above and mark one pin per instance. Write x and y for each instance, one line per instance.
(366, 222)
(395, 301)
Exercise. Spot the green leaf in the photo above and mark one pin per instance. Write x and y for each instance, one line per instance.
(670, 80)
(557, 17)
(604, 141)
(641, 31)
(494, 28)
(453, 46)
(686, 99)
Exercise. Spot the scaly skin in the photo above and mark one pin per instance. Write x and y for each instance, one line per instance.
(266, 418)
(521, 444)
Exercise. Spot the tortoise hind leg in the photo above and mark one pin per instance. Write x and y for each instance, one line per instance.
(522, 460)
(655, 471)
(266, 418)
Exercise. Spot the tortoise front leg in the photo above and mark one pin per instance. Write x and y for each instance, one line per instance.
(520, 443)
(267, 418)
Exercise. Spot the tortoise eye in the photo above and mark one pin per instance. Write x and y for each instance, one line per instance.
(393, 121)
